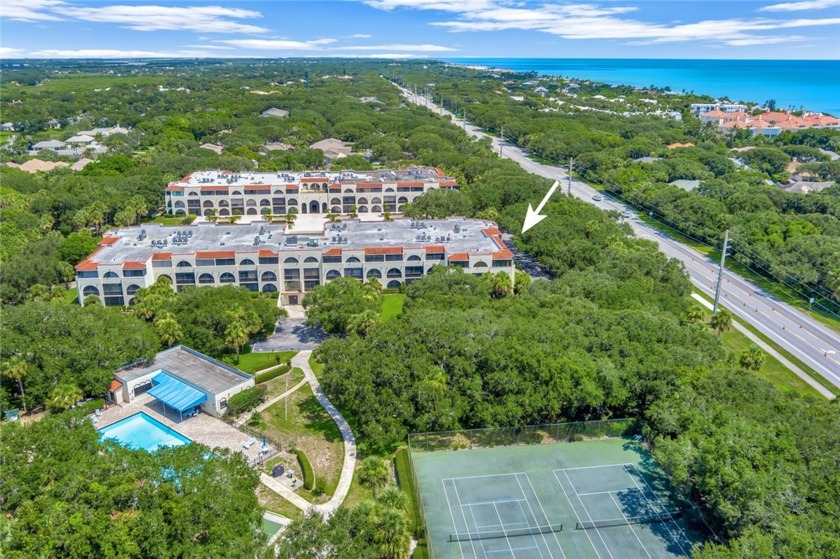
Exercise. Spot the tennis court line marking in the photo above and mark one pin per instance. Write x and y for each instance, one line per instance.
(448, 504)
(593, 467)
(605, 492)
(502, 522)
(466, 525)
(680, 533)
(621, 512)
(578, 517)
(489, 475)
(547, 523)
(491, 502)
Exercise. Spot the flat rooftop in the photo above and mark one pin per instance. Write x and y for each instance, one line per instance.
(228, 178)
(139, 243)
(188, 364)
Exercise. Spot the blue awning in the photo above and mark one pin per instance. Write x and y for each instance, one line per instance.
(175, 393)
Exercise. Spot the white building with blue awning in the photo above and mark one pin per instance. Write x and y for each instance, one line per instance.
(183, 380)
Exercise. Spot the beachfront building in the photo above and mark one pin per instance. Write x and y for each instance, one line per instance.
(225, 193)
(768, 123)
(183, 380)
(264, 257)
(698, 109)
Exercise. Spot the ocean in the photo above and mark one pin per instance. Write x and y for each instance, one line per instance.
(811, 84)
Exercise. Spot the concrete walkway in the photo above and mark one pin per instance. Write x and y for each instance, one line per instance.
(247, 417)
(769, 349)
(301, 360)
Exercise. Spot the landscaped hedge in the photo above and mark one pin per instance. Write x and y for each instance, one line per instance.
(265, 377)
(402, 462)
(246, 400)
(306, 470)
(90, 407)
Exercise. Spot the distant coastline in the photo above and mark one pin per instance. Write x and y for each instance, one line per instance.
(813, 85)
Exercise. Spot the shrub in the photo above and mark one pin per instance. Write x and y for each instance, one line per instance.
(90, 407)
(306, 470)
(320, 486)
(246, 400)
(273, 374)
(402, 461)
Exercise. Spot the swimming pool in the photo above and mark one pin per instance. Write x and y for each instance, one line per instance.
(143, 432)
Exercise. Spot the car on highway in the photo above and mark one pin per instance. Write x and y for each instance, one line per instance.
(625, 214)
(597, 198)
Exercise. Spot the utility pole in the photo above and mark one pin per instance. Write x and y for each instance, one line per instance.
(501, 140)
(720, 272)
(571, 163)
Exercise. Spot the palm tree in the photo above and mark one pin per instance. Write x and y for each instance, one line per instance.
(236, 335)
(353, 210)
(393, 498)
(752, 358)
(375, 284)
(332, 218)
(391, 535)
(168, 329)
(373, 474)
(721, 322)
(520, 281)
(500, 285)
(694, 314)
(16, 368)
(63, 396)
(91, 300)
(362, 323)
(289, 218)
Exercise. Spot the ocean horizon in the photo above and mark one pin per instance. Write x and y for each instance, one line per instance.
(813, 85)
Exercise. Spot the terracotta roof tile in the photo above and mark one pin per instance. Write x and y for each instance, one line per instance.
(216, 254)
(333, 252)
(435, 248)
(384, 250)
(162, 256)
(459, 256)
(129, 265)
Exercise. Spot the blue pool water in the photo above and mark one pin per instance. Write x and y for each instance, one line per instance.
(141, 431)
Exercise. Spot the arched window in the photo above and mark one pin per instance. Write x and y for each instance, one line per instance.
(353, 259)
(224, 211)
(290, 260)
(363, 209)
(131, 302)
(376, 200)
(180, 212)
(206, 278)
(394, 273)
(227, 277)
(374, 273)
(402, 200)
(251, 203)
(389, 189)
(291, 202)
(268, 276)
(393, 284)
(110, 275)
(376, 209)
(348, 191)
(480, 264)
(361, 200)
(414, 258)
(207, 204)
(183, 264)
(336, 201)
(132, 289)
(236, 193)
(336, 209)
(310, 259)
(265, 202)
(251, 211)
(90, 290)
(193, 194)
(223, 204)
(332, 274)
(269, 288)
(247, 262)
(179, 204)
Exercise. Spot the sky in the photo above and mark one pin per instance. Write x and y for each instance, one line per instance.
(714, 29)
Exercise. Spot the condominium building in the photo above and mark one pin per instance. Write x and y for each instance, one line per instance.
(264, 257)
(698, 109)
(225, 193)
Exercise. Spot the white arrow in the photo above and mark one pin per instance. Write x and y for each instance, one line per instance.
(534, 217)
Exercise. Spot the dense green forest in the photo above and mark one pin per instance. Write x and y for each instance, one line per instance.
(614, 334)
(608, 131)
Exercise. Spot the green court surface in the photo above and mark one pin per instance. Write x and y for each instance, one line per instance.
(599, 499)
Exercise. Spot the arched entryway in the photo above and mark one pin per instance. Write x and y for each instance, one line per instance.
(314, 207)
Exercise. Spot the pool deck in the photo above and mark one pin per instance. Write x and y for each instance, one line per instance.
(202, 428)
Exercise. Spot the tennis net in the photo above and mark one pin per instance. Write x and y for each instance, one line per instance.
(649, 519)
(529, 531)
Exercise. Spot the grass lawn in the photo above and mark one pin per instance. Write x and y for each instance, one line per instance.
(277, 386)
(254, 362)
(270, 500)
(392, 306)
(311, 429)
(316, 366)
(72, 296)
(163, 220)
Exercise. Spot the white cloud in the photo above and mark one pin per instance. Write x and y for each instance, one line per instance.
(398, 47)
(442, 5)
(797, 6)
(111, 53)
(29, 10)
(211, 47)
(359, 36)
(277, 44)
(203, 19)
(9, 52)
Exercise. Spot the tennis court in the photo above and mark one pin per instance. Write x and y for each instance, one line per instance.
(598, 499)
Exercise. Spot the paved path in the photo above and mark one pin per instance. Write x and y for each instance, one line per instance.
(769, 349)
(301, 360)
(806, 338)
(262, 407)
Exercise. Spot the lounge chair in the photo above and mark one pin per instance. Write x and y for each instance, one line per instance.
(249, 443)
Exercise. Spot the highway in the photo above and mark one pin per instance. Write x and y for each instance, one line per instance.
(809, 340)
